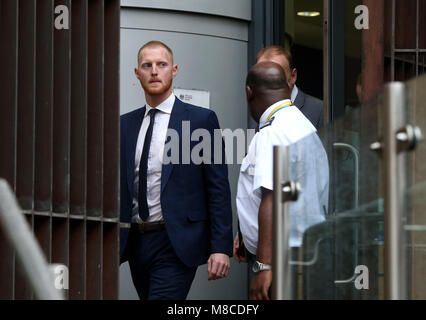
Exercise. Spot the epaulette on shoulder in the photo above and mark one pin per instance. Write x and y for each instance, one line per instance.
(267, 124)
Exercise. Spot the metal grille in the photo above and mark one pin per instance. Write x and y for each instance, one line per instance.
(405, 46)
(59, 139)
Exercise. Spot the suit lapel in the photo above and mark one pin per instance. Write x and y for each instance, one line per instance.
(132, 134)
(300, 100)
(178, 115)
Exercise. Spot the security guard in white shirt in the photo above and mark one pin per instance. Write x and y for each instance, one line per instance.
(280, 123)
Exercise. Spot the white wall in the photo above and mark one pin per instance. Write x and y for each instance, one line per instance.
(240, 9)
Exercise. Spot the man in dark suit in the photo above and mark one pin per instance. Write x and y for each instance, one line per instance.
(180, 212)
(311, 107)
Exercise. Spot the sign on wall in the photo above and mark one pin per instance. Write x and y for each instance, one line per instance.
(196, 97)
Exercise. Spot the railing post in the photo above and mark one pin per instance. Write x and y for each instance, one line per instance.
(27, 250)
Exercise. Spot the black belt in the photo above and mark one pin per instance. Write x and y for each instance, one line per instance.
(147, 227)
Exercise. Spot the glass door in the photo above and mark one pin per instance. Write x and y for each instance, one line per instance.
(367, 240)
(334, 229)
(415, 204)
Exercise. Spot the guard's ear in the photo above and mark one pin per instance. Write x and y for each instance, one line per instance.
(249, 93)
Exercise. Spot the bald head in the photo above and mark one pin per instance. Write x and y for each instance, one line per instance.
(266, 84)
(267, 76)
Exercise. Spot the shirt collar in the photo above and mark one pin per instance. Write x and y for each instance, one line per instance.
(166, 106)
(294, 93)
(265, 115)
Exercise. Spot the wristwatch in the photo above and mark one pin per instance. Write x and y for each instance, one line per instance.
(259, 266)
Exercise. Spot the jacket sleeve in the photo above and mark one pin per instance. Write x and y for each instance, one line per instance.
(218, 195)
(124, 194)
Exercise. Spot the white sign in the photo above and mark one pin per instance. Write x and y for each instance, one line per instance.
(199, 98)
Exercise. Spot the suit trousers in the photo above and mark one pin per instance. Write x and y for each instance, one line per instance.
(157, 272)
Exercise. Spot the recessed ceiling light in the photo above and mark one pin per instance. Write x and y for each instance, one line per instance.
(308, 13)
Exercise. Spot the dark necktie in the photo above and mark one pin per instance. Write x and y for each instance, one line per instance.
(143, 169)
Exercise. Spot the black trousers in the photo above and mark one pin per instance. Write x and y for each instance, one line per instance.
(157, 272)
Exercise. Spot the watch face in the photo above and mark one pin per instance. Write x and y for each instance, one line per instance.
(256, 267)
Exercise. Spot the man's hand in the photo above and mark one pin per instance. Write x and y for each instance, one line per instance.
(262, 281)
(236, 248)
(260, 285)
(218, 266)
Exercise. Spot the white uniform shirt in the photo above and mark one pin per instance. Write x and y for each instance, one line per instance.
(309, 166)
(155, 160)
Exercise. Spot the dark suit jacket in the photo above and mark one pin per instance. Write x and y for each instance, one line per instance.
(195, 199)
(311, 107)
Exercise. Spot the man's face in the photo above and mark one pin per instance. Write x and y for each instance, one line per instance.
(291, 75)
(156, 70)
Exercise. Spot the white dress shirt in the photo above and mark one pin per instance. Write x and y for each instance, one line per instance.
(294, 93)
(308, 166)
(155, 160)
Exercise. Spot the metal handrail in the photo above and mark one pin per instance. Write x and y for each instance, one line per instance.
(281, 287)
(394, 187)
(355, 153)
(28, 252)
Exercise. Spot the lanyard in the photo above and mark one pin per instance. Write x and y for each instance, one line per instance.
(280, 107)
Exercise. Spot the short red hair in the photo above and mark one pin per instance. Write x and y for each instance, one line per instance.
(276, 51)
(154, 43)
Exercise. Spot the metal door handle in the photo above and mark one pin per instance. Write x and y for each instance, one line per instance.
(408, 138)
